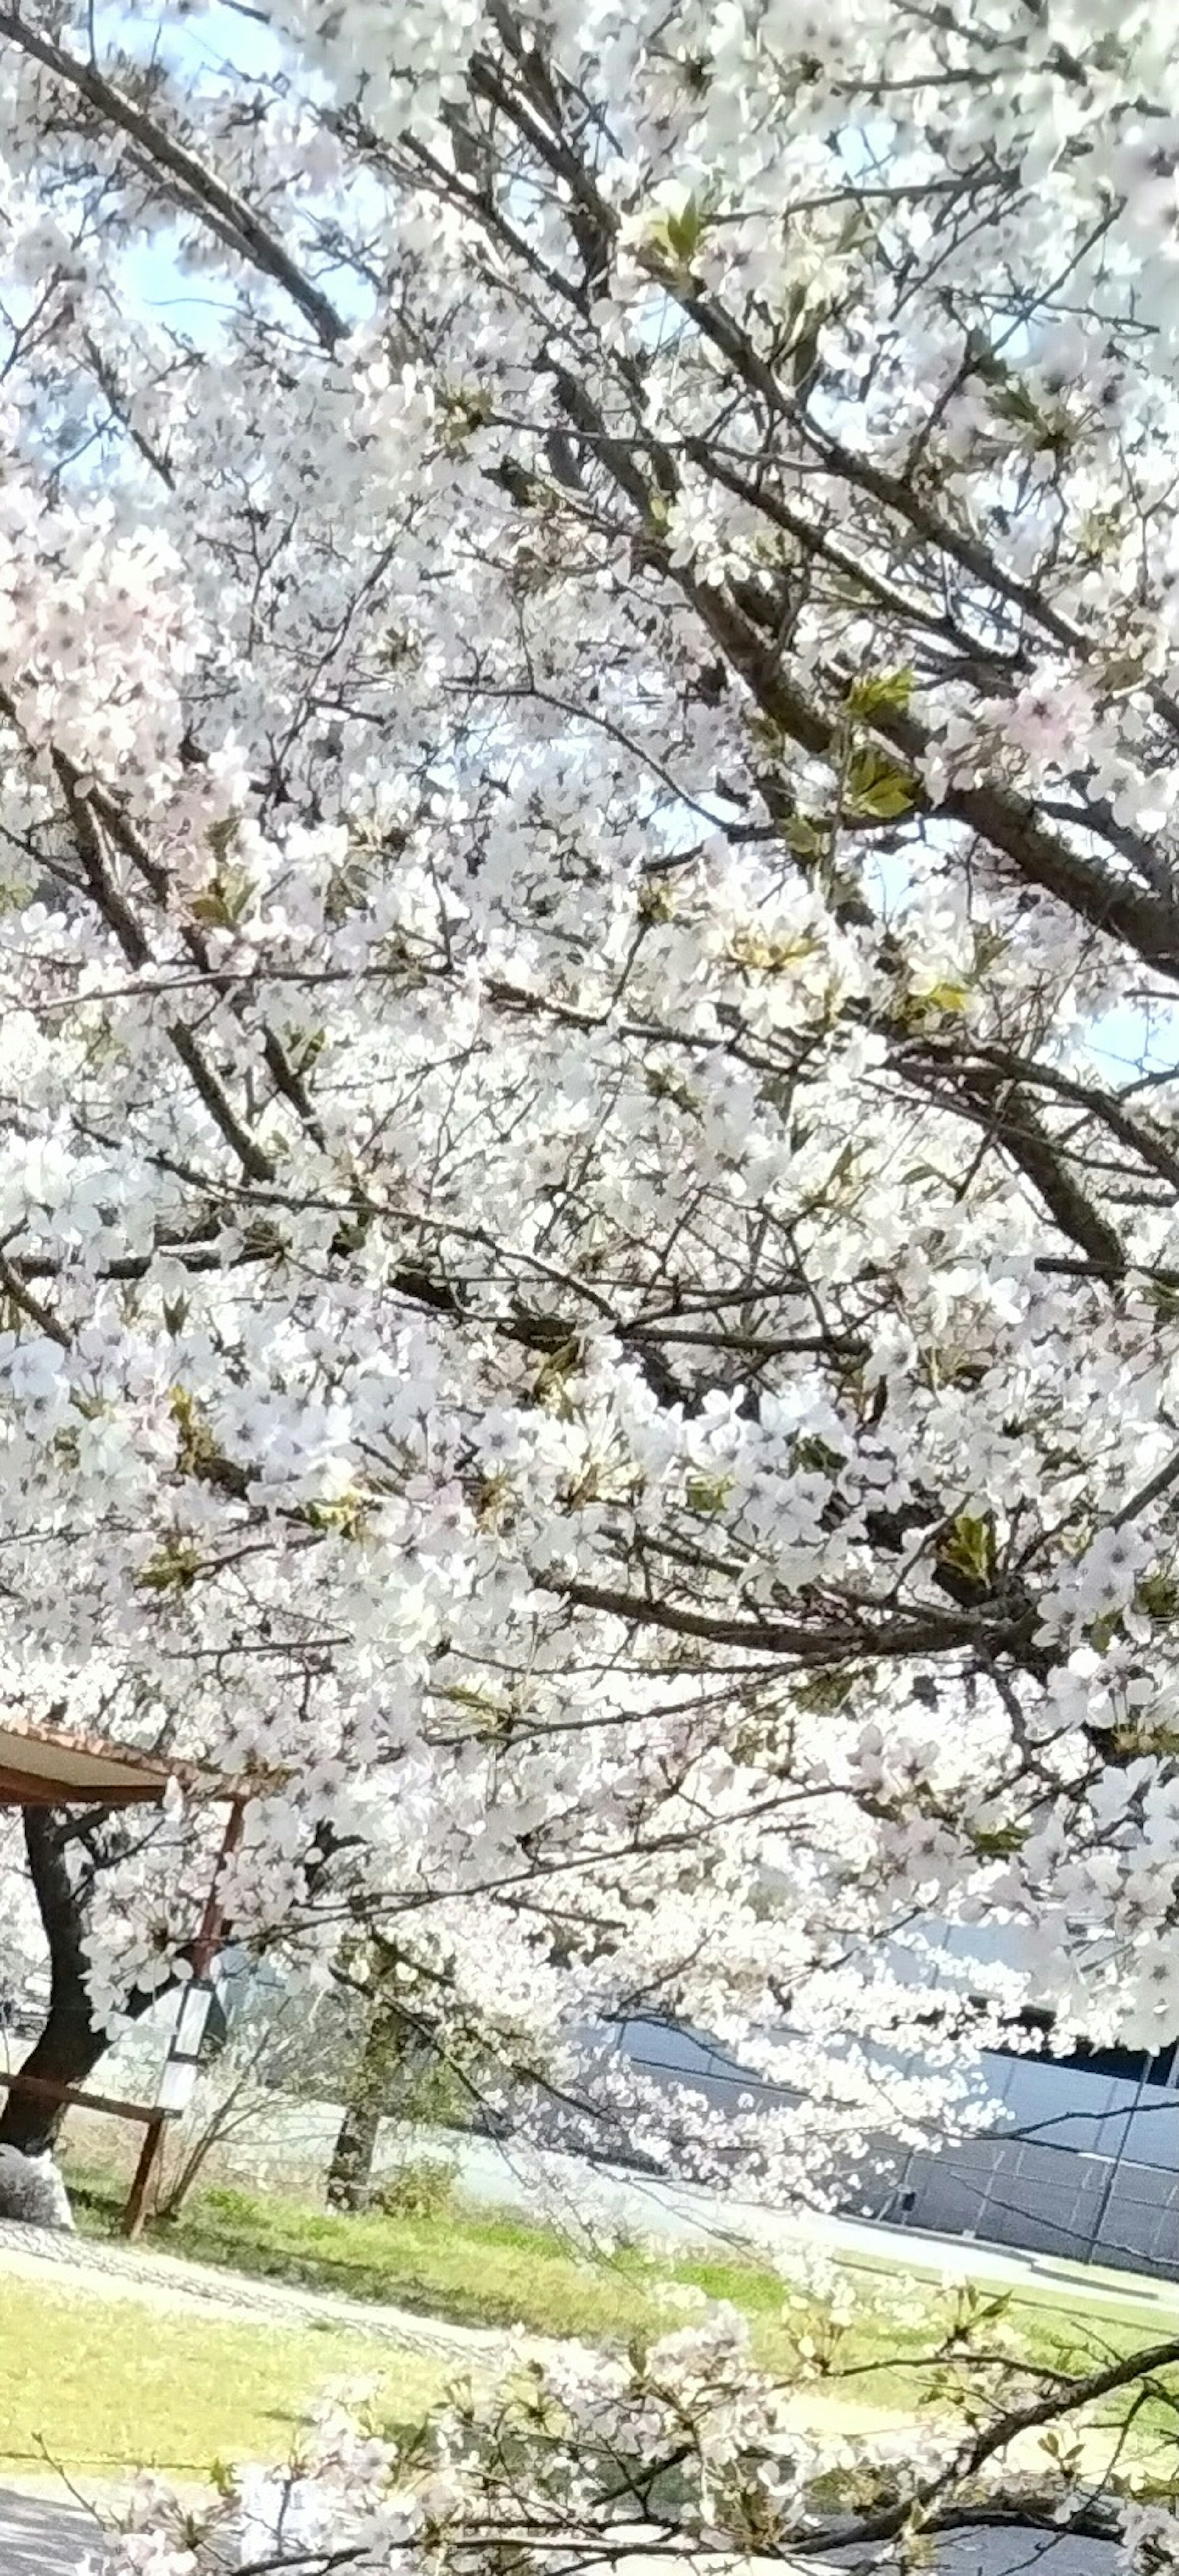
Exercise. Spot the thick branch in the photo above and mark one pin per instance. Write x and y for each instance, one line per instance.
(934, 1631)
(994, 2438)
(200, 189)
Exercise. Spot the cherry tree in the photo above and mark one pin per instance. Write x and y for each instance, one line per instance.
(586, 1197)
(591, 737)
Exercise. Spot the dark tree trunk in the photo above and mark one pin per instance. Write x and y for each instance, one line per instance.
(71, 2043)
(69, 2046)
(350, 2172)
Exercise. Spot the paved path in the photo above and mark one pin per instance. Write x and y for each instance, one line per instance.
(568, 2191)
(41, 2538)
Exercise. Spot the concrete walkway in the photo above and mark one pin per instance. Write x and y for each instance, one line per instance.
(569, 2194)
(39, 2537)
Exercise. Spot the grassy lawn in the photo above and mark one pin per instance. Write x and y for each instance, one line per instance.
(99, 2384)
(102, 2385)
(478, 2266)
(489, 2268)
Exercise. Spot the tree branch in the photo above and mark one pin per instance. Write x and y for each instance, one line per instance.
(200, 188)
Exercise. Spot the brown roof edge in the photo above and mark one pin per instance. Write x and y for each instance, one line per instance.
(44, 1766)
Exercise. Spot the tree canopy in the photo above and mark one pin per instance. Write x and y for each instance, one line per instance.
(589, 696)
(590, 717)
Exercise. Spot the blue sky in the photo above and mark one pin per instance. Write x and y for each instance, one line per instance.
(203, 47)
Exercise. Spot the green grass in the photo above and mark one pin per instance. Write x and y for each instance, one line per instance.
(477, 2267)
(100, 2385)
(489, 2268)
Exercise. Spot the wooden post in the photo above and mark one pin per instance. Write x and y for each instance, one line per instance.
(136, 2209)
(204, 1951)
(212, 1928)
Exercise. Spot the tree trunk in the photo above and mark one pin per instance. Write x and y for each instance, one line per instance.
(350, 2172)
(351, 2167)
(70, 2045)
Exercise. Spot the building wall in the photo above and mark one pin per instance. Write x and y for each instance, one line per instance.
(1087, 2165)
(1050, 2200)
(1090, 2113)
